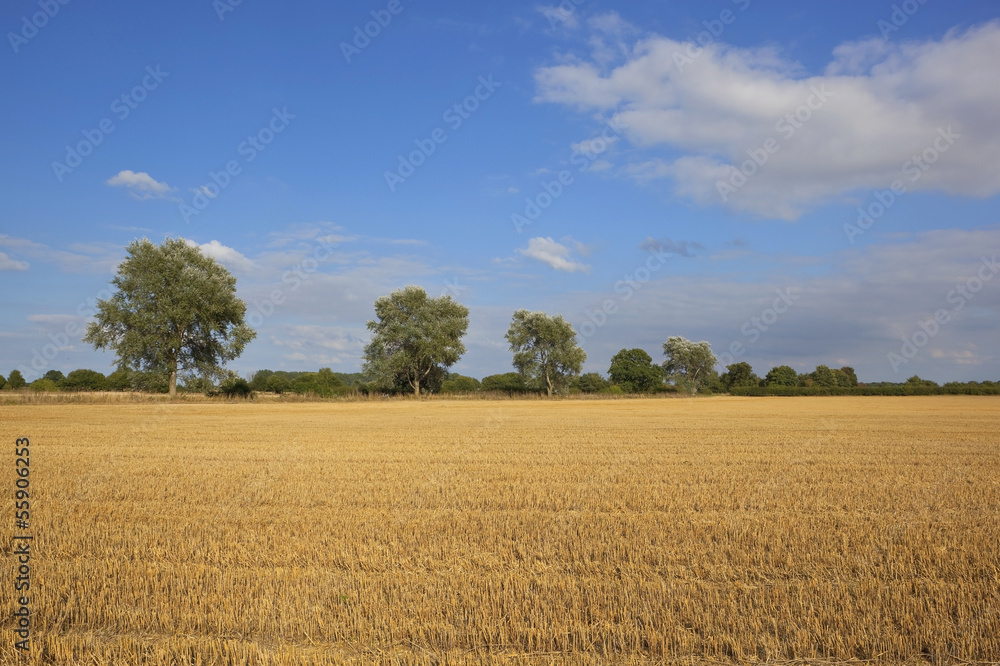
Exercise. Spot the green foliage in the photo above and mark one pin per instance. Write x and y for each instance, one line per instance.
(739, 374)
(120, 380)
(84, 380)
(235, 387)
(917, 381)
(277, 385)
(689, 365)
(16, 380)
(54, 376)
(847, 377)
(460, 384)
(545, 349)
(613, 389)
(781, 375)
(823, 376)
(509, 382)
(634, 371)
(3, 382)
(592, 382)
(43, 385)
(175, 309)
(414, 336)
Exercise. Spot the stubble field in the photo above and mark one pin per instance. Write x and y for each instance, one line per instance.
(613, 531)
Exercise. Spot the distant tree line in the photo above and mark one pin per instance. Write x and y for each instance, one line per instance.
(174, 320)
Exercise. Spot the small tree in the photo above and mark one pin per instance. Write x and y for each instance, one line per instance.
(592, 382)
(175, 309)
(460, 384)
(739, 375)
(84, 380)
(824, 376)
(414, 336)
(545, 349)
(847, 377)
(16, 380)
(688, 364)
(3, 382)
(508, 382)
(633, 370)
(781, 375)
(54, 376)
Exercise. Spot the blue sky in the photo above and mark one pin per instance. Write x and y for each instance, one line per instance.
(795, 184)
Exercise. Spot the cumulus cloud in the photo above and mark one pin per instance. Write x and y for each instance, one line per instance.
(8, 264)
(554, 254)
(225, 255)
(697, 114)
(141, 185)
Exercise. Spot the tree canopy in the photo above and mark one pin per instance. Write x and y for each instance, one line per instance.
(634, 371)
(739, 374)
(688, 365)
(414, 337)
(175, 309)
(545, 349)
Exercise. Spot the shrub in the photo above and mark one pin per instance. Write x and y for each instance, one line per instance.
(43, 386)
(85, 380)
(236, 387)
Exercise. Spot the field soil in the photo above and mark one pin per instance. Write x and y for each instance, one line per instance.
(447, 531)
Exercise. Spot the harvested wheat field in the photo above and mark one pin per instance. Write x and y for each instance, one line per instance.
(612, 531)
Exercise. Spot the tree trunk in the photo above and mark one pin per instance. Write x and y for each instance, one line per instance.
(416, 386)
(548, 384)
(172, 390)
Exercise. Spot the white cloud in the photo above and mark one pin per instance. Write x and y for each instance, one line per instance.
(554, 254)
(875, 107)
(225, 255)
(141, 185)
(57, 319)
(8, 264)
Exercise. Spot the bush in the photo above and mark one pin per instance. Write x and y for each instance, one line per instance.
(460, 384)
(236, 387)
(43, 386)
(591, 382)
(510, 382)
(119, 380)
(84, 380)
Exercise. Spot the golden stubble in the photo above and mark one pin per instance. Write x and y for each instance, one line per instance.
(618, 531)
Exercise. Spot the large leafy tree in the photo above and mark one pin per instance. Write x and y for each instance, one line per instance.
(688, 365)
(545, 349)
(633, 370)
(414, 337)
(175, 309)
(16, 380)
